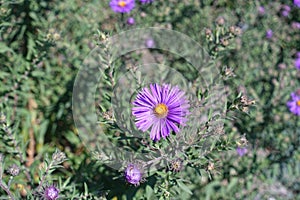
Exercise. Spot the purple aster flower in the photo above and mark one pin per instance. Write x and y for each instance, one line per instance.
(122, 6)
(146, 1)
(261, 10)
(296, 25)
(150, 43)
(164, 108)
(269, 34)
(297, 63)
(50, 193)
(298, 54)
(133, 174)
(130, 21)
(241, 151)
(294, 103)
(297, 3)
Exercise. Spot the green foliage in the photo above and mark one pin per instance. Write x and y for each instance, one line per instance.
(43, 44)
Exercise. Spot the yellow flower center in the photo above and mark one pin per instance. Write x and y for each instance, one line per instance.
(298, 103)
(161, 110)
(122, 4)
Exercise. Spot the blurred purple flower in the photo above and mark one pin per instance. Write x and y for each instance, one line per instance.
(241, 151)
(130, 21)
(285, 10)
(298, 54)
(285, 13)
(294, 104)
(51, 193)
(164, 108)
(297, 3)
(133, 174)
(122, 6)
(146, 1)
(296, 25)
(297, 63)
(261, 10)
(269, 34)
(150, 43)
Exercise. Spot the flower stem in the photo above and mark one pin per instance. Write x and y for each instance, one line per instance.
(7, 190)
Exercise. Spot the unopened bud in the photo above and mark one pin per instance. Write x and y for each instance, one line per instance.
(232, 29)
(224, 42)
(208, 32)
(56, 36)
(220, 21)
(238, 31)
(58, 157)
(176, 165)
(13, 170)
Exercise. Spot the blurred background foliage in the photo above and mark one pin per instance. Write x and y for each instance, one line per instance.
(43, 45)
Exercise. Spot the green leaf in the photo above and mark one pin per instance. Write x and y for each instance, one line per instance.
(184, 187)
(149, 192)
(4, 48)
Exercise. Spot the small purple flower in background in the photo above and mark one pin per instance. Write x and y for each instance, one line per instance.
(150, 43)
(146, 1)
(296, 25)
(261, 10)
(50, 193)
(130, 21)
(297, 3)
(269, 34)
(297, 63)
(164, 108)
(241, 151)
(294, 103)
(133, 174)
(122, 6)
(285, 11)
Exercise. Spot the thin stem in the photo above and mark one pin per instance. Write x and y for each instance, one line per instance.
(9, 182)
(153, 161)
(44, 176)
(7, 190)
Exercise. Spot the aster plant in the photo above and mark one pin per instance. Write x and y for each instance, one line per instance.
(164, 108)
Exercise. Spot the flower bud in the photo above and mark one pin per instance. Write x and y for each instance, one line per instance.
(50, 193)
(133, 174)
(208, 32)
(58, 157)
(220, 21)
(224, 42)
(176, 165)
(130, 21)
(13, 170)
